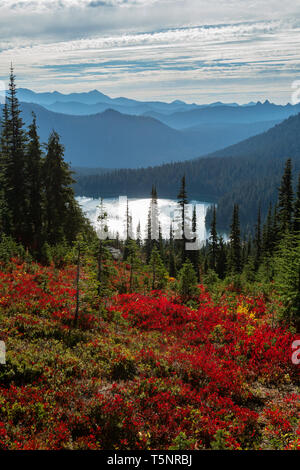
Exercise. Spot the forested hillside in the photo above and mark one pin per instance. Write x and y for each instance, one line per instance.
(247, 173)
(114, 140)
(139, 342)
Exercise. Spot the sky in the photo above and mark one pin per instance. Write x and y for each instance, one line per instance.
(194, 50)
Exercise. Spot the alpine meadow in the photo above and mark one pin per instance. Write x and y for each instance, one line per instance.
(149, 244)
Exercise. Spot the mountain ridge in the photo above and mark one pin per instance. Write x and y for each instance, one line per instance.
(115, 140)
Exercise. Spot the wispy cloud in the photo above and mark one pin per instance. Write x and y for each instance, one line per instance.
(76, 45)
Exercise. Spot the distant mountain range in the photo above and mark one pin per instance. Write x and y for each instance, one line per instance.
(111, 139)
(94, 101)
(125, 133)
(178, 114)
(114, 140)
(260, 112)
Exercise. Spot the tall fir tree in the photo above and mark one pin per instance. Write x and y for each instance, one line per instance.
(276, 228)
(268, 235)
(258, 241)
(193, 255)
(152, 235)
(182, 201)
(213, 242)
(102, 235)
(129, 230)
(61, 210)
(172, 263)
(235, 242)
(138, 235)
(16, 176)
(221, 258)
(285, 199)
(36, 193)
(5, 221)
(296, 223)
(158, 271)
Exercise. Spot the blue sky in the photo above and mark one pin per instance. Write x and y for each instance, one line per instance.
(195, 50)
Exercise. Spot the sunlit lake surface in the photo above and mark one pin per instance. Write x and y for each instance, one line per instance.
(139, 208)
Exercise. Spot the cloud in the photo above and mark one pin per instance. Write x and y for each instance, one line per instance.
(191, 49)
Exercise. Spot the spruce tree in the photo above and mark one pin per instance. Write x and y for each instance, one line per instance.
(16, 175)
(188, 281)
(35, 188)
(61, 210)
(158, 271)
(5, 216)
(129, 230)
(285, 199)
(221, 259)
(297, 209)
(267, 235)
(161, 247)
(103, 235)
(138, 234)
(276, 234)
(287, 276)
(194, 220)
(213, 242)
(148, 241)
(193, 254)
(134, 260)
(258, 241)
(235, 242)
(172, 263)
(152, 225)
(182, 201)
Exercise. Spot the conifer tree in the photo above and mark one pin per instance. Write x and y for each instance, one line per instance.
(129, 231)
(148, 241)
(188, 281)
(275, 228)
(152, 225)
(138, 234)
(158, 270)
(193, 254)
(15, 167)
(221, 258)
(172, 264)
(4, 153)
(287, 276)
(297, 209)
(258, 241)
(235, 242)
(35, 188)
(194, 220)
(103, 234)
(285, 199)
(134, 260)
(61, 210)
(267, 235)
(213, 242)
(182, 201)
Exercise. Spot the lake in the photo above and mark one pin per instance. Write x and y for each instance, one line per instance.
(139, 211)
